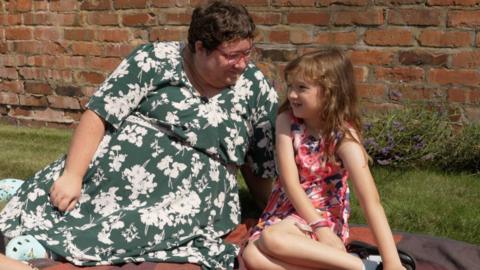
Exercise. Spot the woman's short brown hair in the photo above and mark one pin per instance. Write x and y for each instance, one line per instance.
(217, 22)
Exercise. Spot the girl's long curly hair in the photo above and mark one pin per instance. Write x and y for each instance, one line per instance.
(332, 70)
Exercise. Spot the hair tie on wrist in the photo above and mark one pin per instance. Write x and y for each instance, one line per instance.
(320, 223)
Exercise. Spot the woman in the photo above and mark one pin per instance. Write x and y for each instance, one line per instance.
(151, 171)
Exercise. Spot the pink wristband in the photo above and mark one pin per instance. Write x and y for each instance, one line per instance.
(320, 223)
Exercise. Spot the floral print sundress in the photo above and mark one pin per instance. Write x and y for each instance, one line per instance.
(324, 182)
(162, 184)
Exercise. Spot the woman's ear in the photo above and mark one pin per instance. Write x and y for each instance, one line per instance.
(199, 48)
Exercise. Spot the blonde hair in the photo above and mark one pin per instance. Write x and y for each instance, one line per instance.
(332, 70)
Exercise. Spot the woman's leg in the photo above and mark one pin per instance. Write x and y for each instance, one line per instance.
(286, 243)
(11, 264)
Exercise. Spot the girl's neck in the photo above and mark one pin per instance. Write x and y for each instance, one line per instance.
(313, 127)
(200, 85)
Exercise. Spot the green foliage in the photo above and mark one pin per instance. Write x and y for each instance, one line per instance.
(417, 137)
(462, 152)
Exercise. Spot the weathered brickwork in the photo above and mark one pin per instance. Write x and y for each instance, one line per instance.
(53, 53)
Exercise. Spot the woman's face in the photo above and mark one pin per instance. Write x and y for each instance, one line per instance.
(224, 65)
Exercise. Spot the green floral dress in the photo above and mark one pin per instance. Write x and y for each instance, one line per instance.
(162, 184)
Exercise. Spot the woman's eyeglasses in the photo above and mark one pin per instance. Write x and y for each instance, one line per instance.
(234, 58)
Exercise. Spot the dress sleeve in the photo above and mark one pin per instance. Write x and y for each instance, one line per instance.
(121, 93)
(260, 155)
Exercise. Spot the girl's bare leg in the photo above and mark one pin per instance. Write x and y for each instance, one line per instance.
(11, 264)
(284, 242)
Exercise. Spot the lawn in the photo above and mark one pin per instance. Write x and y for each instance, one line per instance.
(416, 201)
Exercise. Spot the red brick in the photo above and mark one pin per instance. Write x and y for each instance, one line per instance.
(169, 3)
(10, 19)
(371, 90)
(9, 73)
(168, 34)
(96, 5)
(279, 36)
(103, 18)
(369, 17)
(466, 59)
(462, 77)
(40, 6)
(477, 40)
(457, 95)
(46, 33)
(51, 115)
(421, 58)
(18, 33)
(252, 3)
(371, 57)
(64, 5)
(402, 74)
(23, 5)
(418, 93)
(70, 91)
(113, 35)
(38, 19)
(313, 18)
(336, 38)
(117, 50)
(175, 18)
(38, 88)
(73, 115)
(343, 2)
(301, 36)
(452, 2)
(413, 16)
(360, 73)
(45, 74)
(57, 102)
(3, 47)
(140, 19)
(67, 19)
(398, 2)
(39, 47)
(89, 77)
(473, 114)
(296, 3)
(452, 39)
(79, 34)
(8, 98)
(41, 60)
(11, 86)
(33, 101)
(20, 112)
(129, 4)
(389, 37)
(104, 64)
(464, 18)
(86, 48)
(266, 18)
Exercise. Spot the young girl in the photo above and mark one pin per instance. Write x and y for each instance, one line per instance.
(318, 144)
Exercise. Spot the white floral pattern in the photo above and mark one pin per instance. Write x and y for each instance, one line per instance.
(162, 184)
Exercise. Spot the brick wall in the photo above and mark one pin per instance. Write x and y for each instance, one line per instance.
(54, 53)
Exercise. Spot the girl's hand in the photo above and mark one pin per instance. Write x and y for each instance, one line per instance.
(65, 192)
(326, 236)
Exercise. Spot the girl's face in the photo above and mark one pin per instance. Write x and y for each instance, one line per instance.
(305, 99)
(224, 65)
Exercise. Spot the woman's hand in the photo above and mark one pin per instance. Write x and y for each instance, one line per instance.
(65, 192)
(326, 236)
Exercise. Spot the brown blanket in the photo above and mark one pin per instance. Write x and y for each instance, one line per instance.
(430, 253)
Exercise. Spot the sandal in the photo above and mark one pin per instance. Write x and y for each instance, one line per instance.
(25, 248)
(8, 188)
(363, 250)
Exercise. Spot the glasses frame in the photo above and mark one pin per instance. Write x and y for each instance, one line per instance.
(235, 57)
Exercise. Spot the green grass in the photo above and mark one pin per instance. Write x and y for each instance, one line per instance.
(416, 201)
(23, 151)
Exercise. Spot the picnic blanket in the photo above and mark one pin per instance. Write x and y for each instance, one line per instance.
(430, 253)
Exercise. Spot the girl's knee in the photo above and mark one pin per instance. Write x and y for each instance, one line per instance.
(252, 257)
(271, 242)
